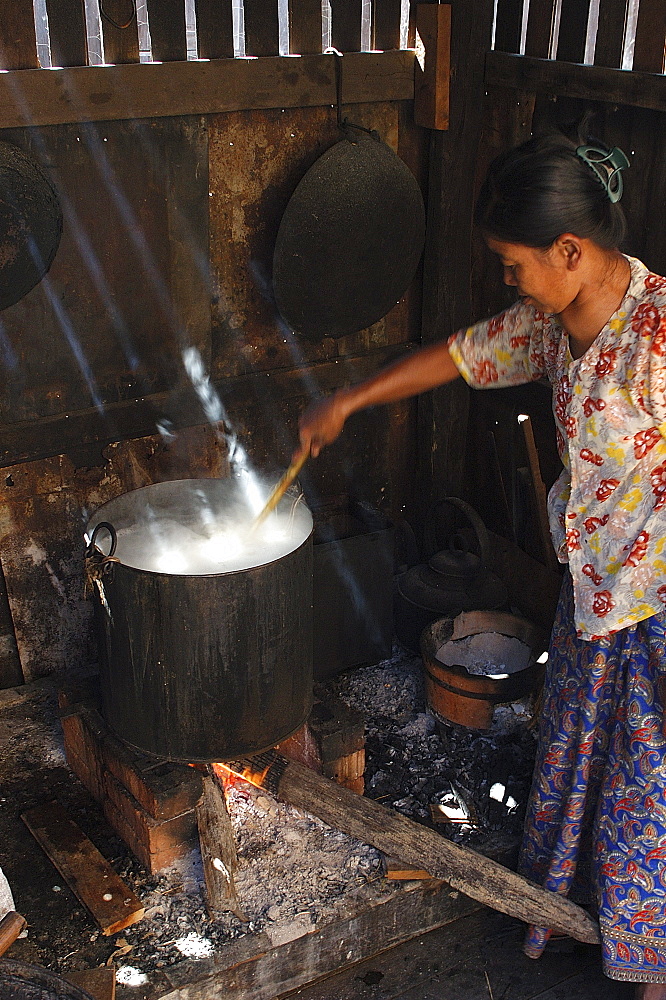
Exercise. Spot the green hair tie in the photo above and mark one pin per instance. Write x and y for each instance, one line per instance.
(607, 165)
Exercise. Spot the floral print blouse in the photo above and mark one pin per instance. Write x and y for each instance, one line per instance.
(607, 510)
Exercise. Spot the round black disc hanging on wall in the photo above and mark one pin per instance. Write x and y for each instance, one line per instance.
(350, 240)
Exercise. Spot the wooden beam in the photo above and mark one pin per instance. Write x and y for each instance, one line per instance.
(305, 26)
(509, 22)
(540, 21)
(588, 83)
(166, 20)
(431, 84)
(67, 32)
(573, 30)
(610, 33)
(18, 45)
(215, 32)
(261, 27)
(346, 25)
(120, 33)
(112, 93)
(386, 24)
(650, 37)
(112, 904)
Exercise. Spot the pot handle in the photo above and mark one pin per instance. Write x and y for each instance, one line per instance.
(477, 524)
(114, 538)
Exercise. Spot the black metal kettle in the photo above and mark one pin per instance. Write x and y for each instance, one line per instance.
(454, 579)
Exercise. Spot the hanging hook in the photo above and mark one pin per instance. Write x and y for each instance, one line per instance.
(343, 123)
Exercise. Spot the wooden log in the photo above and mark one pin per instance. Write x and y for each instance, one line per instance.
(215, 31)
(346, 25)
(18, 44)
(431, 83)
(166, 20)
(650, 36)
(120, 34)
(305, 26)
(397, 836)
(261, 27)
(573, 30)
(111, 903)
(610, 33)
(386, 24)
(67, 32)
(99, 983)
(218, 848)
(540, 28)
(11, 926)
(509, 22)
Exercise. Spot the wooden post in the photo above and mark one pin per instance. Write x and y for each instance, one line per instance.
(540, 28)
(261, 27)
(166, 20)
(386, 24)
(305, 26)
(67, 32)
(431, 84)
(650, 35)
(215, 31)
(120, 33)
(18, 45)
(508, 25)
(610, 33)
(399, 837)
(346, 25)
(573, 30)
(218, 848)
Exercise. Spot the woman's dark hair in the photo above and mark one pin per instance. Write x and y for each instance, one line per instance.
(541, 189)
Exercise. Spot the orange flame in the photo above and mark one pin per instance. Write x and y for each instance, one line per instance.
(231, 776)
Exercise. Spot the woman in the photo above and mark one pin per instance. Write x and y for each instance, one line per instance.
(592, 321)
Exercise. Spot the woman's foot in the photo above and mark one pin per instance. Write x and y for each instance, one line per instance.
(650, 991)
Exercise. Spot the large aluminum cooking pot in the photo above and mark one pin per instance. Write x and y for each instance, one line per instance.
(201, 665)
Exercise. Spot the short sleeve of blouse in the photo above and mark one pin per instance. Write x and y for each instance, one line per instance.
(505, 350)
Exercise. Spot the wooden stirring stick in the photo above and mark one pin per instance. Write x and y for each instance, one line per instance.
(280, 490)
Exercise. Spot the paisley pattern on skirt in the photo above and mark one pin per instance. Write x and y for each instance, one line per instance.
(596, 819)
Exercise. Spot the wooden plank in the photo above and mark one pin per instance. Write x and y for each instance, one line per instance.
(18, 45)
(261, 27)
(218, 849)
(400, 872)
(573, 30)
(588, 83)
(99, 983)
(120, 33)
(111, 93)
(112, 904)
(67, 32)
(215, 32)
(650, 37)
(305, 26)
(610, 33)
(508, 25)
(540, 28)
(431, 83)
(386, 24)
(166, 20)
(346, 25)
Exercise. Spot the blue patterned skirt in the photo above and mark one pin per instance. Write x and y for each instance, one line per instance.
(595, 828)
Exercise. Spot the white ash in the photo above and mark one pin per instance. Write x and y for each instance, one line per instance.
(486, 654)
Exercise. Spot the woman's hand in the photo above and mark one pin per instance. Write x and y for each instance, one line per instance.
(322, 422)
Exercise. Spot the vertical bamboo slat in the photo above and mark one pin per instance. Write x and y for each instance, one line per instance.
(650, 36)
(166, 20)
(18, 45)
(540, 28)
(305, 26)
(573, 30)
(119, 31)
(67, 32)
(386, 24)
(346, 25)
(508, 24)
(261, 27)
(610, 33)
(215, 31)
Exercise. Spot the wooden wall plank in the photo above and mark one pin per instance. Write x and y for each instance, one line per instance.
(261, 27)
(386, 24)
(346, 25)
(215, 33)
(67, 32)
(119, 31)
(610, 33)
(573, 30)
(431, 85)
(305, 26)
(196, 88)
(650, 37)
(540, 28)
(508, 25)
(166, 20)
(18, 46)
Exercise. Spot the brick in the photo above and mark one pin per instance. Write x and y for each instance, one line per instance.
(155, 836)
(164, 789)
(155, 862)
(338, 729)
(348, 771)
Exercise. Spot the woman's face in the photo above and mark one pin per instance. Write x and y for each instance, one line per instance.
(544, 279)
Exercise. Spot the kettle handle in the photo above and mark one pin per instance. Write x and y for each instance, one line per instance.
(477, 524)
